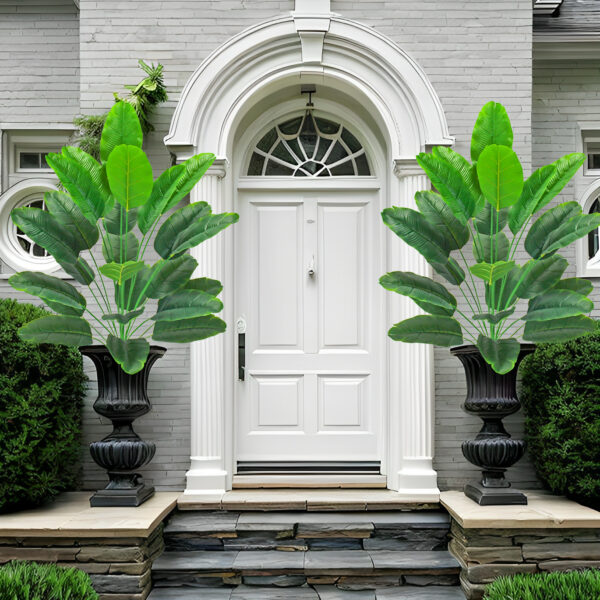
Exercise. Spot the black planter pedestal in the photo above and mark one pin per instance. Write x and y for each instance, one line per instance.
(491, 397)
(122, 398)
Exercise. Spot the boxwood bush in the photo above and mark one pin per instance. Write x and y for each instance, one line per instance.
(561, 399)
(41, 394)
(32, 581)
(576, 585)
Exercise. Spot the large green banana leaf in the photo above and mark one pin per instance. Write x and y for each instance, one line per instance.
(428, 329)
(186, 304)
(210, 286)
(122, 126)
(92, 166)
(501, 354)
(131, 353)
(112, 250)
(83, 233)
(458, 193)
(412, 227)
(80, 184)
(557, 304)
(79, 270)
(490, 220)
(129, 175)
(491, 272)
(492, 127)
(159, 198)
(500, 176)
(494, 318)
(57, 293)
(57, 329)
(533, 190)
(450, 270)
(46, 231)
(538, 277)
(176, 224)
(118, 219)
(170, 275)
(430, 295)
(490, 249)
(565, 168)
(438, 214)
(120, 272)
(558, 330)
(188, 330)
(575, 284)
(123, 318)
(555, 225)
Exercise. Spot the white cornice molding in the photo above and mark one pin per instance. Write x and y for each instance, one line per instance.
(406, 167)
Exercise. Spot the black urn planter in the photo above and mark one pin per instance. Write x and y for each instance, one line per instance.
(122, 398)
(491, 397)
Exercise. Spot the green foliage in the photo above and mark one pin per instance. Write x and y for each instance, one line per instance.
(143, 98)
(574, 585)
(34, 581)
(41, 393)
(561, 387)
(105, 202)
(476, 201)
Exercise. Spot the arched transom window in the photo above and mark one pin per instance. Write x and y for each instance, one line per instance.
(309, 146)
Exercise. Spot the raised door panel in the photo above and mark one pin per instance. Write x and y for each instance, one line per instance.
(342, 278)
(278, 270)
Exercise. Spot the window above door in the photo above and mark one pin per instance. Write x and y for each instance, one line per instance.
(309, 146)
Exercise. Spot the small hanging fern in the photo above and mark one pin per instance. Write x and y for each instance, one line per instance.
(144, 96)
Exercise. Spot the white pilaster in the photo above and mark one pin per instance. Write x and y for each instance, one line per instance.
(412, 391)
(208, 472)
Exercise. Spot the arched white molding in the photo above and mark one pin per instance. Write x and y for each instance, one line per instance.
(249, 75)
(269, 55)
(586, 266)
(10, 251)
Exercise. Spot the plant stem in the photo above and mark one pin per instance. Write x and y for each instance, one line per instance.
(140, 325)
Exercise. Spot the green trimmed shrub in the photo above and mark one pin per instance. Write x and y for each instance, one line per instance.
(576, 585)
(561, 399)
(32, 581)
(41, 395)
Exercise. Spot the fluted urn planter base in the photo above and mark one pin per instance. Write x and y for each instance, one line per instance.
(122, 398)
(491, 397)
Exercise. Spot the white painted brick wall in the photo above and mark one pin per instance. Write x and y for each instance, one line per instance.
(473, 51)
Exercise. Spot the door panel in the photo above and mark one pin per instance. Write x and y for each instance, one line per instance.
(306, 286)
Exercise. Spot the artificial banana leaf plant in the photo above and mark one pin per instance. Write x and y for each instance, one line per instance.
(482, 217)
(116, 203)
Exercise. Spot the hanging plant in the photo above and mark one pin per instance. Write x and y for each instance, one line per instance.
(144, 97)
(488, 203)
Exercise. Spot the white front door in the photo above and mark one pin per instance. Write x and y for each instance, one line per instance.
(307, 264)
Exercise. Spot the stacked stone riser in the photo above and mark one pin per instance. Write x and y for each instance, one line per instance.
(344, 552)
(120, 568)
(486, 554)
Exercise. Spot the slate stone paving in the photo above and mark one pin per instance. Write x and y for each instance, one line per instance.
(306, 556)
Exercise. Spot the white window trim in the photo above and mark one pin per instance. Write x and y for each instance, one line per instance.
(32, 149)
(10, 251)
(594, 138)
(587, 267)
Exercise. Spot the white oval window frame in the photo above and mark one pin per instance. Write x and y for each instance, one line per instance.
(11, 251)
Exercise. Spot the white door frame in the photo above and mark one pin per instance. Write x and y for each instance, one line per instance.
(396, 93)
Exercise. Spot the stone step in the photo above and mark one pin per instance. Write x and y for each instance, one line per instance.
(208, 567)
(230, 531)
(318, 592)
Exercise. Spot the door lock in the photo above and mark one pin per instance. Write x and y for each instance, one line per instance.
(311, 267)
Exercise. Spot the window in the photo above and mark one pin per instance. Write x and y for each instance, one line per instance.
(18, 251)
(309, 146)
(29, 160)
(591, 148)
(594, 237)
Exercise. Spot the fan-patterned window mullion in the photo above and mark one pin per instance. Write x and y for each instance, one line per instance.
(309, 146)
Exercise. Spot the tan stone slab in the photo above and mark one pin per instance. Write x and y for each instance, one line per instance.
(71, 516)
(543, 511)
(330, 499)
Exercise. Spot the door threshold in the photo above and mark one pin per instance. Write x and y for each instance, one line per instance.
(326, 480)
